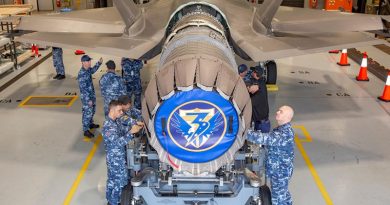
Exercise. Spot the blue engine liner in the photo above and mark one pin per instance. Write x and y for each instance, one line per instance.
(196, 126)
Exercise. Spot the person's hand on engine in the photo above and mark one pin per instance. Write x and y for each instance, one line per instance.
(135, 129)
(139, 123)
(253, 89)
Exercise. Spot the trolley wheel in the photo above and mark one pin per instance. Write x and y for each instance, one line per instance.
(127, 195)
(265, 195)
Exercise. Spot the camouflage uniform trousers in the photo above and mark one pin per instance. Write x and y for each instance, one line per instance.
(124, 172)
(58, 62)
(279, 188)
(113, 191)
(135, 88)
(87, 116)
(117, 176)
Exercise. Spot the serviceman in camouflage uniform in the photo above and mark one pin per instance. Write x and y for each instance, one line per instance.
(131, 74)
(279, 162)
(87, 93)
(58, 63)
(115, 141)
(112, 86)
(131, 115)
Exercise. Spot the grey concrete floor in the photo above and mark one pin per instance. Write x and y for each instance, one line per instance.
(42, 151)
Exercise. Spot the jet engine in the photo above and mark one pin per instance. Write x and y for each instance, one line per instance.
(196, 107)
(197, 110)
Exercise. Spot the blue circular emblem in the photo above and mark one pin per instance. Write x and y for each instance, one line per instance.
(196, 126)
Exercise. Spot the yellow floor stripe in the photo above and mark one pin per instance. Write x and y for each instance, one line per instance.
(305, 133)
(80, 176)
(271, 87)
(73, 100)
(23, 103)
(306, 158)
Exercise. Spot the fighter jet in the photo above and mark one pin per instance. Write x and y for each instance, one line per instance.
(197, 41)
(264, 32)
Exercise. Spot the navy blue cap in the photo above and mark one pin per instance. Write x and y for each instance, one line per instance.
(85, 58)
(242, 68)
(257, 69)
(110, 64)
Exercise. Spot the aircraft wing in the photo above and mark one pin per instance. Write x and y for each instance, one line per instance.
(261, 48)
(102, 30)
(104, 20)
(298, 31)
(107, 44)
(300, 20)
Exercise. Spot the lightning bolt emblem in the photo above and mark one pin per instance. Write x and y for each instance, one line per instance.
(198, 119)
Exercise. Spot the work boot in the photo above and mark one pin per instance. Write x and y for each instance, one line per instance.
(88, 134)
(92, 126)
(60, 77)
(56, 77)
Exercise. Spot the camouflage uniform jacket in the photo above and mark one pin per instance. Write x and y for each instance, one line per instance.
(87, 91)
(131, 69)
(280, 144)
(112, 86)
(115, 140)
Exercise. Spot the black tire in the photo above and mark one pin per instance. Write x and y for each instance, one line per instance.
(271, 72)
(265, 195)
(127, 195)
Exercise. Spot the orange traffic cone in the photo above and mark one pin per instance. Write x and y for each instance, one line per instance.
(344, 58)
(386, 92)
(334, 51)
(79, 52)
(363, 69)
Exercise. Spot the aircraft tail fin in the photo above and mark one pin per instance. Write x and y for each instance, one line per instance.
(128, 11)
(264, 14)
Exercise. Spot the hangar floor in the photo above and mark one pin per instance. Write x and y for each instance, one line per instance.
(342, 152)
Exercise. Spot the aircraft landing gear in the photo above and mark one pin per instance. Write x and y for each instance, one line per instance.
(271, 72)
